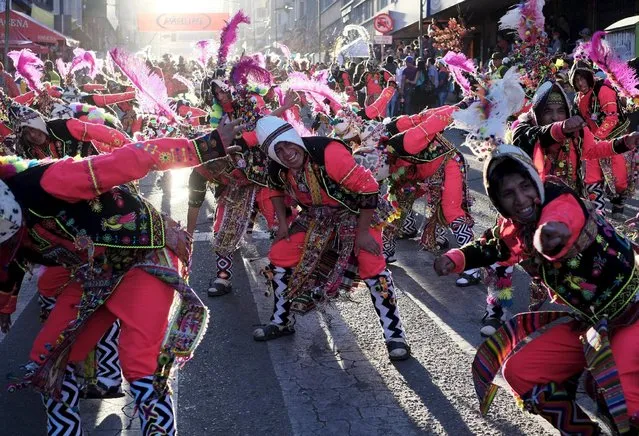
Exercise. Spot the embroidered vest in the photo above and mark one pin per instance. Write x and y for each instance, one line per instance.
(438, 147)
(598, 277)
(315, 146)
(595, 108)
(118, 218)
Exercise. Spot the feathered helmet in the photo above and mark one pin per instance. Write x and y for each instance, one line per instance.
(486, 120)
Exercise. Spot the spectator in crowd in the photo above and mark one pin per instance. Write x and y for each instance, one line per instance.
(409, 78)
(585, 34)
(498, 67)
(421, 92)
(7, 83)
(556, 45)
(399, 77)
(444, 85)
(50, 75)
(390, 65)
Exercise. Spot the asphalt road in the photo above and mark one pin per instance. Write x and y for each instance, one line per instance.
(332, 377)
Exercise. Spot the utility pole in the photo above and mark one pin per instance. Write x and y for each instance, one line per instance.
(7, 26)
(319, 30)
(420, 27)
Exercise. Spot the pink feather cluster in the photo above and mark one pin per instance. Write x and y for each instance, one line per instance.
(28, 66)
(151, 89)
(63, 67)
(620, 75)
(527, 18)
(229, 36)
(285, 50)
(316, 92)
(85, 59)
(458, 64)
(204, 51)
(248, 68)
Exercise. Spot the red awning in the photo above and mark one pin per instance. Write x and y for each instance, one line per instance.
(22, 27)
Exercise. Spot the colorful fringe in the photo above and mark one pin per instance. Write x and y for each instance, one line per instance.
(603, 369)
(239, 201)
(492, 354)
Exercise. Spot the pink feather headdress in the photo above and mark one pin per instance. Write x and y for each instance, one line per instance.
(620, 75)
(28, 66)
(248, 68)
(229, 36)
(151, 89)
(458, 64)
(527, 18)
(84, 59)
(204, 51)
(316, 92)
(285, 50)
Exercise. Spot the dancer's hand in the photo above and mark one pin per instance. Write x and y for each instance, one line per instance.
(551, 237)
(443, 265)
(5, 322)
(282, 233)
(227, 134)
(364, 241)
(573, 124)
(290, 99)
(632, 140)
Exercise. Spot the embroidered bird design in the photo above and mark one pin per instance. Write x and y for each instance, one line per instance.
(117, 222)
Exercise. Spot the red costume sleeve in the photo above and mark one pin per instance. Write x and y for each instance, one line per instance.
(418, 138)
(75, 180)
(596, 149)
(564, 209)
(342, 168)
(25, 99)
(608, 104)
(406, 122)
(107, 138)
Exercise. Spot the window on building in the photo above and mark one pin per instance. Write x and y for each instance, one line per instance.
(382, 4)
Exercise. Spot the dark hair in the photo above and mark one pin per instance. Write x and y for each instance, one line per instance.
(389, 59)
(421, 66)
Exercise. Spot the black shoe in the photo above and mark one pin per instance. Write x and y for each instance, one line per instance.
(98, 391)
(398, 350)
(491, 322)
(410, 235)
(219, 287)
(442, 245)
(465, 279)
(617, 212)
(272, 331)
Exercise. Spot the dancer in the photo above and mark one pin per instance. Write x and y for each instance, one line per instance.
(339, 202)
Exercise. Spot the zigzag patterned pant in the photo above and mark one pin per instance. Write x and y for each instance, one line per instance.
(382, 291)
(409, 225)
(558, 406)
(224, 266)
(389, 245)
(156, 414)
(597, 196)
(462, 231)
(63, 416)
(281, 307)
(109, 371)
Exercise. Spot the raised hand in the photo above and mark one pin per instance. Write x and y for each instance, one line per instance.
(443, 265)
(227, 134)
(573, 124)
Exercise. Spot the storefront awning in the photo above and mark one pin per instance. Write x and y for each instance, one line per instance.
(23, 27)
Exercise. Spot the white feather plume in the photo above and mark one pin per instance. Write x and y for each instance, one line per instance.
(488, 120)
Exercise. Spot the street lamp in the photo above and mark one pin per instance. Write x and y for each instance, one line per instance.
(287, 8)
